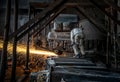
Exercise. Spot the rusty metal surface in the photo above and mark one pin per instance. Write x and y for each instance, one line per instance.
(76, 70)
(82, 75)
(73, 62)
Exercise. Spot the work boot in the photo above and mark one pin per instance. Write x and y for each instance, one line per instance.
(77, 56)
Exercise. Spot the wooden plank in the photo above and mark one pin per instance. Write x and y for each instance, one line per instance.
(92, 20)
(39, 17)
(106, 13)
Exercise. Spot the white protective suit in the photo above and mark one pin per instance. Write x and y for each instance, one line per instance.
(77, 38)
(51, 37)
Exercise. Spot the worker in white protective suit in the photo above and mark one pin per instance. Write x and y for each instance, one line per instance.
(51, 38)
(77, 38)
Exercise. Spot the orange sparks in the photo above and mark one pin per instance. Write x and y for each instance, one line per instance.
(32, 51)
(22, 49)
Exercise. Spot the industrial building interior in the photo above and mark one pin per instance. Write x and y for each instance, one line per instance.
(35, 44)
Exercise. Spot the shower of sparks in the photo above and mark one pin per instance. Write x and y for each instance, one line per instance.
(22, 49)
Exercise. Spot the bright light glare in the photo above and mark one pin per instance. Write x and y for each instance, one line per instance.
(42, 52)
(22, 49)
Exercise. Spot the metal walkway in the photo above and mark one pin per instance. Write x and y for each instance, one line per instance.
(79, 70)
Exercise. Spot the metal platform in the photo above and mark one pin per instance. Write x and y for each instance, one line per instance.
(79, 70)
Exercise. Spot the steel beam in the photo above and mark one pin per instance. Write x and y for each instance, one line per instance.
(14, 59)
(109, 2)
(40, 17)
(44, 24)
(39, 5)
(69, 4)
(92, 20)
(47, 22)
(103, 10)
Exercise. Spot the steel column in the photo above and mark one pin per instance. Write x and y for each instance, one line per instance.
(108, 44)
(3, 62)
(28, 48)
(14, 59)
(27, 56)
(33, 30)
(114, 34)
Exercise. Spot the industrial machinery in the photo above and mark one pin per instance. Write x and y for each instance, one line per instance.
(59, 39)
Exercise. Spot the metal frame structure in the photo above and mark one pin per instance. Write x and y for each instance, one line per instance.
(55, 8)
